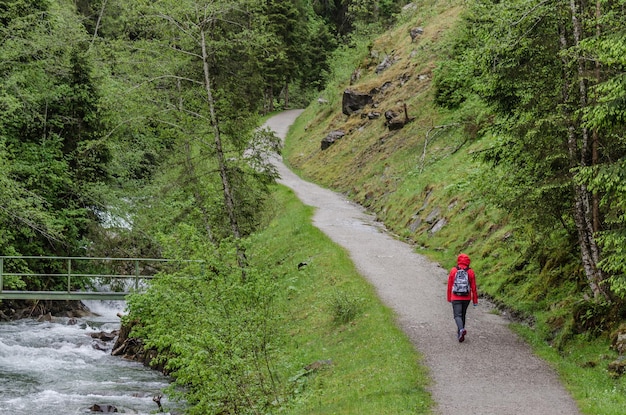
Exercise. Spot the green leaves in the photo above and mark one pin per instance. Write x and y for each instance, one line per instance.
(553, 74)
(49, 128)
(215, 330)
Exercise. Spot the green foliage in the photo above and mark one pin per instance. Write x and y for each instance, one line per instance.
(50, 126)
(526, 64)
(214, 330)
(583, 368)
(505, 193)
(594, 318)
(346, 15)
(95, 104)
(525, 252)
(609, 181)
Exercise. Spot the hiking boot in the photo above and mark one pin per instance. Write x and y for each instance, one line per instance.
(462, 334)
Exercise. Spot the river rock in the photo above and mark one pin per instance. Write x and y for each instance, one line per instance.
(104, 336)
(46, 317)
(103, 409)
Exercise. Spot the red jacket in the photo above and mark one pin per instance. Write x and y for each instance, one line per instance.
(463, 261)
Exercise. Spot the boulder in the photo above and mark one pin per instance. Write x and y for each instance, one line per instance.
(46, 317)
(395, 120)
(385, 64)
(317, 365)
(103, 409)
(618, 342)
(390, 115)
(331, 138)
(438, 226)
(395, 124)
(104, 336)
(354, 101)
(415, 33)
(618, 367)
(356, 75)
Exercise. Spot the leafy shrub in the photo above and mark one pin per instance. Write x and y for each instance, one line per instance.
(212, 328)
(592, 317)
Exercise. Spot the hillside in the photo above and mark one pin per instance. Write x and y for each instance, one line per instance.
(427, 184)
(421, 180)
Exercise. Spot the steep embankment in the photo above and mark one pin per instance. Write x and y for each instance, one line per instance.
(417, 179)
(423, 181)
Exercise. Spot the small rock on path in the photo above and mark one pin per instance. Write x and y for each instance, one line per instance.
(493, 372)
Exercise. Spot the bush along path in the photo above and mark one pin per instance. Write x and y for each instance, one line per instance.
(492, 371)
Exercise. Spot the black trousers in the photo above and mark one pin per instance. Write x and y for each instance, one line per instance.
(459, 309)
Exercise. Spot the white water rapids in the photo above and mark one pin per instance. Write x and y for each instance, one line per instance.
(57, 368)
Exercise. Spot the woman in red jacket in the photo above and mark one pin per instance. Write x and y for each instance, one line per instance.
(460, 292)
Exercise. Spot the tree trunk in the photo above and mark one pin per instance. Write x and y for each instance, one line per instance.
(95, 31)
(596, 136)
(197, 195)
(193, 178)
(579, 145)
(270, 95)
(221, 160)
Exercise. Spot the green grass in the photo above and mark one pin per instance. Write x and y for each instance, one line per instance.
(330, 313)
(582, 367)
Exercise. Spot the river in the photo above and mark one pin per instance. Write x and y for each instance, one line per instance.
(58, 368)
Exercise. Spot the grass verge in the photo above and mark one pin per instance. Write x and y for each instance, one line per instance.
(582, 366)
(342, 352)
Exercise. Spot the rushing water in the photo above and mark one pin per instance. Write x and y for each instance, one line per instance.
(58, 368)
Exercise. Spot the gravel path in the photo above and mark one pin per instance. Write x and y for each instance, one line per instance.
(493, 371)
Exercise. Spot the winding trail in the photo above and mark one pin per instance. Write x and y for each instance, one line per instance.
(497, 375)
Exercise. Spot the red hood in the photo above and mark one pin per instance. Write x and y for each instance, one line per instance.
(463, 261)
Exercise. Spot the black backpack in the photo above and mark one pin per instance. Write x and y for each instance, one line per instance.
(461, 284)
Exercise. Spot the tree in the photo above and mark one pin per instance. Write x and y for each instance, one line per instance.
(605, 117)
(50, 127)
(530, 64)
(287, 31)
(209, 93)
(297, 47)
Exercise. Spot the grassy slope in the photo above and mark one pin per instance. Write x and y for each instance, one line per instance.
(375, 368)
(404, 176)
(427, 169)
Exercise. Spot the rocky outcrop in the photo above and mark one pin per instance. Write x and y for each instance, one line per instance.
(331, 138)
(42, 310)
(385, 64)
